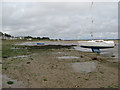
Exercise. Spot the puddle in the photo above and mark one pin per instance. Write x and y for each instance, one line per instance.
(18, 48)
(67, 57)
(16, 84)
(28, 43)
(62, 53)
(15, 48)
(110, 52)
(45, 43)
(59, 43)
(84, 67)
(23, 56)
(57, 52)
(82, 49)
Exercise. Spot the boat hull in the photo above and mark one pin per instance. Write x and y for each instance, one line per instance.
(94, 44)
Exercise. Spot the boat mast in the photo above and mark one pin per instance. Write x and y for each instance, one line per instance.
(92, 20)
(91, 36)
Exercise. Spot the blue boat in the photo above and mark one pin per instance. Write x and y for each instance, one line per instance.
(40, 43)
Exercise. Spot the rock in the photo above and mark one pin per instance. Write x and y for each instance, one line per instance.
(5, 68)
(76, 86)
(81, 56)
(31, 58)
(113, 56)
(94, 58)
(4, 56)
(28, 62)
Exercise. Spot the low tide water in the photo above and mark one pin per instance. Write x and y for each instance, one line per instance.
(23, 56)
(68, 57)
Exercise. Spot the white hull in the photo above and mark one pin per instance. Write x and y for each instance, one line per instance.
(96, 44)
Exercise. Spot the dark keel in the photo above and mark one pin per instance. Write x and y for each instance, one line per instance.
(100, 47)
(96, 49)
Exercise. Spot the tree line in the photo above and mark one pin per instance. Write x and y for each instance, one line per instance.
(26, 37)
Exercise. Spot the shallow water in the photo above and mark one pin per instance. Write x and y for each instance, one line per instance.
(45, 43)
(59, 43)
(15, 48)
(16, 84)
(28, 43)
(23, 56)
(110, 52)
(18, 48)
(84, 67)
(67, 57)
(57, 52)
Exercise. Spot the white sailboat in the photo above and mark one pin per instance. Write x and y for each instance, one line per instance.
(95, 45)
(101, 44)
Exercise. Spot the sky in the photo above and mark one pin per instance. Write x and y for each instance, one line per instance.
(64, 20)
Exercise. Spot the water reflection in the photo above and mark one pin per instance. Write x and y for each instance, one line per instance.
(67, 57)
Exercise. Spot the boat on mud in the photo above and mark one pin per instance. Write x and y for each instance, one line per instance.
(95, 45)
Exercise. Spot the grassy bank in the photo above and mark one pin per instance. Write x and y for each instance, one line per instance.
(9, 50)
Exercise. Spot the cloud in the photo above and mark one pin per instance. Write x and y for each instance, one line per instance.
(60, 20)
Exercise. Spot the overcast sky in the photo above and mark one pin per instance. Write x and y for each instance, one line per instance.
(65, 20)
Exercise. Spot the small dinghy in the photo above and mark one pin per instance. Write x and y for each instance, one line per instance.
(95, 45)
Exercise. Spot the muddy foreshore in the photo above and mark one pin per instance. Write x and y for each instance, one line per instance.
(43, 68)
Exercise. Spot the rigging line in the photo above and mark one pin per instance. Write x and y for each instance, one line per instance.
(92, 21)
(88, 16)
(92, 4)
(91, 12)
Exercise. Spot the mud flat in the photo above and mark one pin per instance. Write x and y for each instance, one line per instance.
(43, 69)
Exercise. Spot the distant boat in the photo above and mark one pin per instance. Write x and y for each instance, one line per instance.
(95, 45)
(40, 43)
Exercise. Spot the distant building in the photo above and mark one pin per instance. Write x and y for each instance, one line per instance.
(5, 37)
(29, 39)
(20, 37)
(9, 37)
